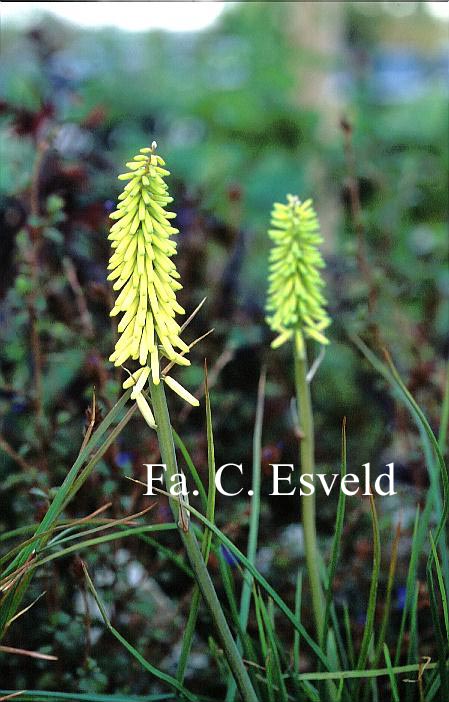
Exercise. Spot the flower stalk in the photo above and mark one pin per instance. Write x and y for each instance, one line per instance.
(141, 266)
(296, 312)
(203, 579)
(308, 506)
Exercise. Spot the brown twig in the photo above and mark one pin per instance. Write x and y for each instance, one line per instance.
(13, 695)
(7, 582)
(87, 625)
(357, 216)
(7, 448)
(35, 241)
(83, 311)
(91, 424)
(24, 652)
(170, 365)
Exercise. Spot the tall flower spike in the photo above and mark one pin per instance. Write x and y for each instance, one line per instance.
(141, 266)
(295, 304)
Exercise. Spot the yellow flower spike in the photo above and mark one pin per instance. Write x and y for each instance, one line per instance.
(295, 303)
(142, 269)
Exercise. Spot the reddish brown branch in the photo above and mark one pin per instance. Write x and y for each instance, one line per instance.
(357, 216)
(83, 311)
(35, 241)
(7, 448)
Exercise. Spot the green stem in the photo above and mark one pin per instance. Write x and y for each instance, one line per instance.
(202, 577)
(308, 501)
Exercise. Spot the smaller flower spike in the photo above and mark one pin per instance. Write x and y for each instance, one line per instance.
(143, 271)
(295, 303)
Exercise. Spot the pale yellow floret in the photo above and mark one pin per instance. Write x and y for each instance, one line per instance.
(142, 379)
(182, 392)
(145, 411)
(132, 380)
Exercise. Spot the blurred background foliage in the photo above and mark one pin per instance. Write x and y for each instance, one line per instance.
(344, 102)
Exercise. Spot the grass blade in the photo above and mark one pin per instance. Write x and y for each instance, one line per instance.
(247, 644)
(444, 421)
(443, 593)
(297, 636)
(368, 673)
(393, 683)
(79, 546)
(44, 695)
(206, 540)
(391, 374)
(339, 522)
(253, 533)
(369, 624)
(14, 597)
(160, 675)
(441, 640)
(321, 655)
(349, 639)
(273, 655)
(388, 596)
(410, 586)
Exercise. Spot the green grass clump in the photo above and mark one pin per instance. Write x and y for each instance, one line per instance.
(258, 638)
